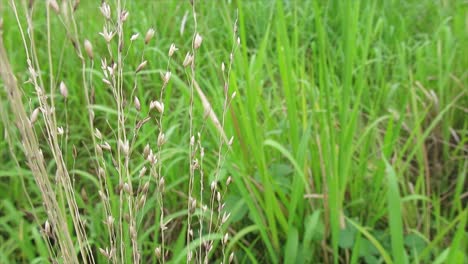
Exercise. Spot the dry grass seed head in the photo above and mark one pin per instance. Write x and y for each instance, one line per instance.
(158, 105)
(172, 49)
(124, 16)
(149, 35)
(63, 90)
(34, 115)
(137, 104)
(198, 41)
(107, 34)
(134, 37)
(166, 77)
(89, 48)
(188, 59)
(141, 66)
(54, 5)
(105, 10)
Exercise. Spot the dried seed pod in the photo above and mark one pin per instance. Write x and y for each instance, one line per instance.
(198, 41)
(213, 186)
(193, 204)
(97, 133)
(75, 6)
(231, 257)
(133, 232)
(110, 220)
(105, 10)
(141, 66)
(172, 49)
(63, 90)
(34, 116)
(136, 101)
(106, 146)
(101, 173)
(195, 164)
(107, 81)
(225, 217)
(152, 158)
(127, 188)
(106, 253)
(188, 59)
(157, 252)
(134, 37)
(74, 152)
(228, 181)
(161, 139)
(47, 228)
(115, 163)
(142, 201)
(146, 151)
(162, 183)
(106, 34)
(166, 77)
(124, 16)
(145, 187)
(88, 48)
(142, 172)
(124, 146)
(54, 5)
(126, 217)
(149, 35)
(158, 105)
(102, 195)
(99, 150)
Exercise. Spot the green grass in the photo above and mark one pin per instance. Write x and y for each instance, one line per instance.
(349, 123)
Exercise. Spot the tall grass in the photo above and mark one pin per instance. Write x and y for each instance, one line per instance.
(126, 173)
(349, 132)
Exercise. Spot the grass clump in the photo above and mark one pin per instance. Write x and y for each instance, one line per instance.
(241, 131)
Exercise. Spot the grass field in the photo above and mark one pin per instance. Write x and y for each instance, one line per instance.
(282, 131)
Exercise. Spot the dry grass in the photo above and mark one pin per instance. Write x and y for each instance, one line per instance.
(60, 198)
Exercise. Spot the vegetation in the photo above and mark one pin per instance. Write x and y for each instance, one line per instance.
(252, 132)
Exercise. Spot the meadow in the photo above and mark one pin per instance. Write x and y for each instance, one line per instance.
(233, 131)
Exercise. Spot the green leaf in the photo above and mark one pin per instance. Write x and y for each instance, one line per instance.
(314, 228)
(367, 248)
(347, 237)
(394, 214)
(292, 244)
(372, 239)
(370, 259)
(415, 242)
(236, 205)
(281, 175)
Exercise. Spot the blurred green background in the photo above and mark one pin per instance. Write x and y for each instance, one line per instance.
(349, 124)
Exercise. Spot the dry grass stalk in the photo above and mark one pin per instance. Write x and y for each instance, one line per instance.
(35, 160)
(132, 197)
